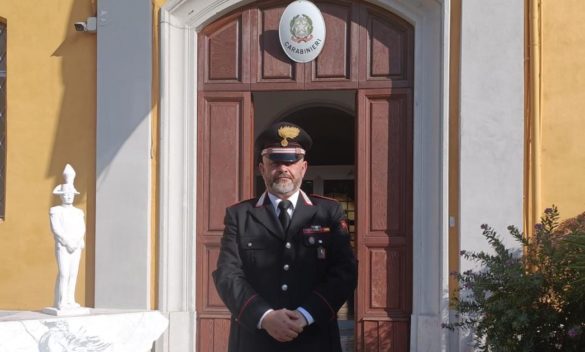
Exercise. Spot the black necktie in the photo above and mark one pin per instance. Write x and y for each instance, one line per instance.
(283, 216)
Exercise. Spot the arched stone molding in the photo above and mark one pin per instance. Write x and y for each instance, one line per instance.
(180, 21)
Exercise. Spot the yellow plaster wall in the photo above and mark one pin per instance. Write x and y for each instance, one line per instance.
(51, 109)
(155, 154)
(562, 150)
(454, 127)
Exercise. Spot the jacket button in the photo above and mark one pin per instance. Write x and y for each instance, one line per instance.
(286, 267)
(284, 287)
(288, 245)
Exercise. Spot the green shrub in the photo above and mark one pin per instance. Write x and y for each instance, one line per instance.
(531, 301)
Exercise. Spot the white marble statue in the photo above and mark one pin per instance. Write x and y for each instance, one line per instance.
(68, 227)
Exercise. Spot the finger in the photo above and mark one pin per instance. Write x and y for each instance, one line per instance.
(286, 336)
(292, 314)
(296, 327)
(296, 322)
(280, 338)
(291, 335)
(302, 320)
(289, 331)
(293, 327)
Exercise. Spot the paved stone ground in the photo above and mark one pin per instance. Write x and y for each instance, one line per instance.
(346, 330)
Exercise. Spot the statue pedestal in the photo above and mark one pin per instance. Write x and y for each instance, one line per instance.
(104, 330)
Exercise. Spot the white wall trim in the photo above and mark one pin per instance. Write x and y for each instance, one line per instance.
(123, 151)
(491, 159)
(448, 338)
(177, 182)
(179, 23)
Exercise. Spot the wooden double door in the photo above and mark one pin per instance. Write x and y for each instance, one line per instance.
(368, 50)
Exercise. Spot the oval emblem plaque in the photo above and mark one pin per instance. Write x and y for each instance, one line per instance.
(302, 31)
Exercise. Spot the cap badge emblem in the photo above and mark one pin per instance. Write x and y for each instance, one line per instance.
(287, 132)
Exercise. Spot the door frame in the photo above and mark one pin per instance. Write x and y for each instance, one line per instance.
(179, 22)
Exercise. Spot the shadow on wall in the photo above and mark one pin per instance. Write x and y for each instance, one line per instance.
(75, 140)
(75, 137)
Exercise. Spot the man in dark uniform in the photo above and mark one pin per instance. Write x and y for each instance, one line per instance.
(286, 265)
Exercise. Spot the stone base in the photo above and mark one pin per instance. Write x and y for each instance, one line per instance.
(66, 312)
(101, 331)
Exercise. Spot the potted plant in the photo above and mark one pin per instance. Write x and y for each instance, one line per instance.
(530, 300)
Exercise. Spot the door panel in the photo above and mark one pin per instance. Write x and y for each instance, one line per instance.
(224, 175)
(384, 222)
(384, 336)
(216, 332)
(272, 68)
(386, 50)
(338, 60)
(224, 54)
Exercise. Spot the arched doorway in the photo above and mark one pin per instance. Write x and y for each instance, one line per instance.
(370, 55)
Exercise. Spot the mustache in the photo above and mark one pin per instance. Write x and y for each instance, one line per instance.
(283, 175)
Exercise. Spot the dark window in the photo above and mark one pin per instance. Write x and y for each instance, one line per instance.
(2, 118)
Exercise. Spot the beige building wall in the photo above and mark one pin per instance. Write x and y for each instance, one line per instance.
(154, 289)
(51, 109)
(562, 148)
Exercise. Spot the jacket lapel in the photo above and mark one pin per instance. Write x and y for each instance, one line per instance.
(304, 212)
(264, 213)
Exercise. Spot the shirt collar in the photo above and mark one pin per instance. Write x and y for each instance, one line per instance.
(275, 200)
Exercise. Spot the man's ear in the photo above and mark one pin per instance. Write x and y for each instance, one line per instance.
(305, 167)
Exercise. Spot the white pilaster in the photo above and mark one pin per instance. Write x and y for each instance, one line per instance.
(491, 123)
(492, 118)
(178, 170)
(123, 197)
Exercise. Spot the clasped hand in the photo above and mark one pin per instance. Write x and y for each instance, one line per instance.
(284, 325)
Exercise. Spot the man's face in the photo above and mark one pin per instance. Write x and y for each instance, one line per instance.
(282, 179)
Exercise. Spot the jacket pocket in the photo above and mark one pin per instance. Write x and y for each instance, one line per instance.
(256, 251)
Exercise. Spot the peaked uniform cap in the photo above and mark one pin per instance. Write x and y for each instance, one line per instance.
(284, 142)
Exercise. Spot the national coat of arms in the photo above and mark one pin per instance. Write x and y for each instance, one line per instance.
(301, 28)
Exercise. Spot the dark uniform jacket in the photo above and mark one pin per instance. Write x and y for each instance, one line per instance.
(262, 267)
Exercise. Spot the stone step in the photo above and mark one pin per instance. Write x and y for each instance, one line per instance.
(346, 332)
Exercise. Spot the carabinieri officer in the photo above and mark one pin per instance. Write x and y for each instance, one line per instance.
(286, 265)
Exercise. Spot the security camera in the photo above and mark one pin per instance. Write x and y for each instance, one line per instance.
(90, 25)
(80, 26)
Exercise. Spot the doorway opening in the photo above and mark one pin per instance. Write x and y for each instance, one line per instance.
(329, 118)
